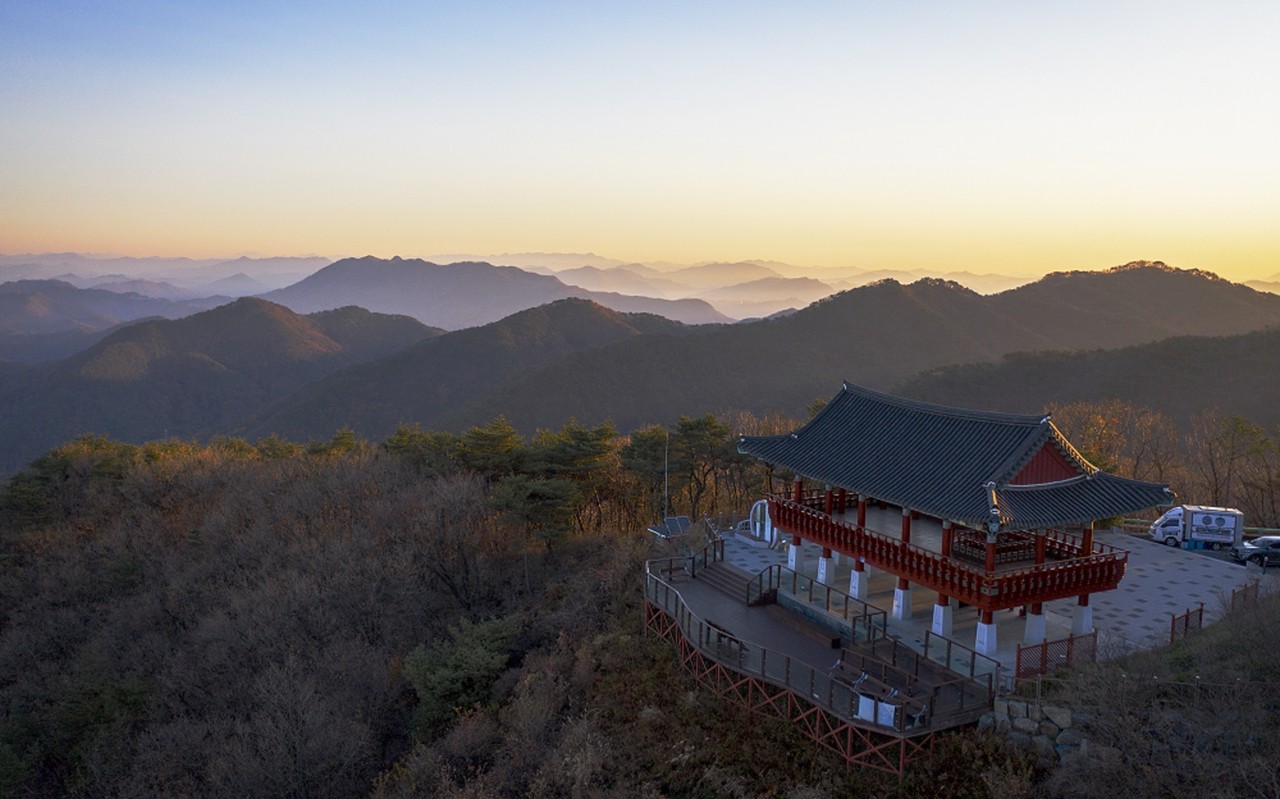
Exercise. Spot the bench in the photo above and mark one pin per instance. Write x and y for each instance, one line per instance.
(724, 635)
(909, 703)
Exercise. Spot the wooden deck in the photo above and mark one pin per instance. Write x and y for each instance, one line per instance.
(861, 694)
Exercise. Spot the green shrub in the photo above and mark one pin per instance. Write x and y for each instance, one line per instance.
(457, 674)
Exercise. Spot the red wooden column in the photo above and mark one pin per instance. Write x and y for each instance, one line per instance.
(942, 612)
(858, 578)
(1041, 540)
(1082, 617)
(826, 566)
(985, 637)
(1034, 625)
(902, 594)
(842, 501)
(906, 539)
(1086, 541)
(793, 554)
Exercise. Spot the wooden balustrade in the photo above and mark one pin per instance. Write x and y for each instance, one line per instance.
(1077, 573)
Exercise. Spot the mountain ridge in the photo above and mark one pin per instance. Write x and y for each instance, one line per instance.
(458, 295)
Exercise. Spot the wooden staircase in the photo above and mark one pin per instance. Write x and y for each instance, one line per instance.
(729, 580)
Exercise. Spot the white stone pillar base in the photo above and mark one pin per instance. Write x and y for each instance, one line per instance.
(984, 642)
(902, 603)
(1081, 619)
(858, 584)
(1035, 629)
(942, 623)
(793, 558)
(826, 570)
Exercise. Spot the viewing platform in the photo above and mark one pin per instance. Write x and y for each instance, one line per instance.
(757, 640)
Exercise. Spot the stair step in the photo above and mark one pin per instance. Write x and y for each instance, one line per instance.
(726, 579)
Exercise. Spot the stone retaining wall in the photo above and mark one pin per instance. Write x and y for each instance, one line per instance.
(1054, 733)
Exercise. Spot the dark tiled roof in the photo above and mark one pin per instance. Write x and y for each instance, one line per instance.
(948, 462)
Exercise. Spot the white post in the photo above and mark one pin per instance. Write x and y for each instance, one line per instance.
(942, 619)
(793, 556)
(1081, 619)
(858, 579)
(902, 603)
(1035, 629)
(985, 640)
(826, 570)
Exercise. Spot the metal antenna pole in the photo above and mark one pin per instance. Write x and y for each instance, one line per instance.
(666, 449)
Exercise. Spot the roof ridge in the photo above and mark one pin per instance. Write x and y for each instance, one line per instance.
(943, 410)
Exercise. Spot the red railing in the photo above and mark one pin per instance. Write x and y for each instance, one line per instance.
(1070, 652)
(1184, 624)
(1100, 571)
(1245, 595)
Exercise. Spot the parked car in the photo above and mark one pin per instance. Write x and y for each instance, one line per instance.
(1264, 551)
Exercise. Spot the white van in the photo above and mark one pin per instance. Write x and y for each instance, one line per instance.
(1215, 528)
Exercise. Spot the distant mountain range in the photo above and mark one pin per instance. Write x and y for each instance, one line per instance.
(197, 276)
(738, 290)
(879, 335)
(253, 367)
(44, 320)
(459, 295)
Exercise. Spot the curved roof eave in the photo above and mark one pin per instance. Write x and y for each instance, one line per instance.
(950, 463)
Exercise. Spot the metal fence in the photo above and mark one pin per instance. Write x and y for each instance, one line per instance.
(1182, 625)
(1245, 595)
(1073, 651)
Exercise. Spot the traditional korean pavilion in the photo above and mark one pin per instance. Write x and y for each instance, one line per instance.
(1015, 500)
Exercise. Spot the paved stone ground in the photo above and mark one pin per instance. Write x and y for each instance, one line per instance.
(1160, 582)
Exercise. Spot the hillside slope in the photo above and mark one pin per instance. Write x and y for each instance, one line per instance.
(202, 374)
(1237, 375)
(434, 377)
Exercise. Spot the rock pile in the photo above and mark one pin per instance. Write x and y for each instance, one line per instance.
(1056, 734)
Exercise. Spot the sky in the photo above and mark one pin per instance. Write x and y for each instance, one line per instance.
(1007, 137)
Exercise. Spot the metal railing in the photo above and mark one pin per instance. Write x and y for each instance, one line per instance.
(953, 654)
(864, 700)
(764, 583)
(712, 552)
(849, 609)
(812, 683)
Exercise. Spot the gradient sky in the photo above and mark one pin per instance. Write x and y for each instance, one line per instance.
(992, 136)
